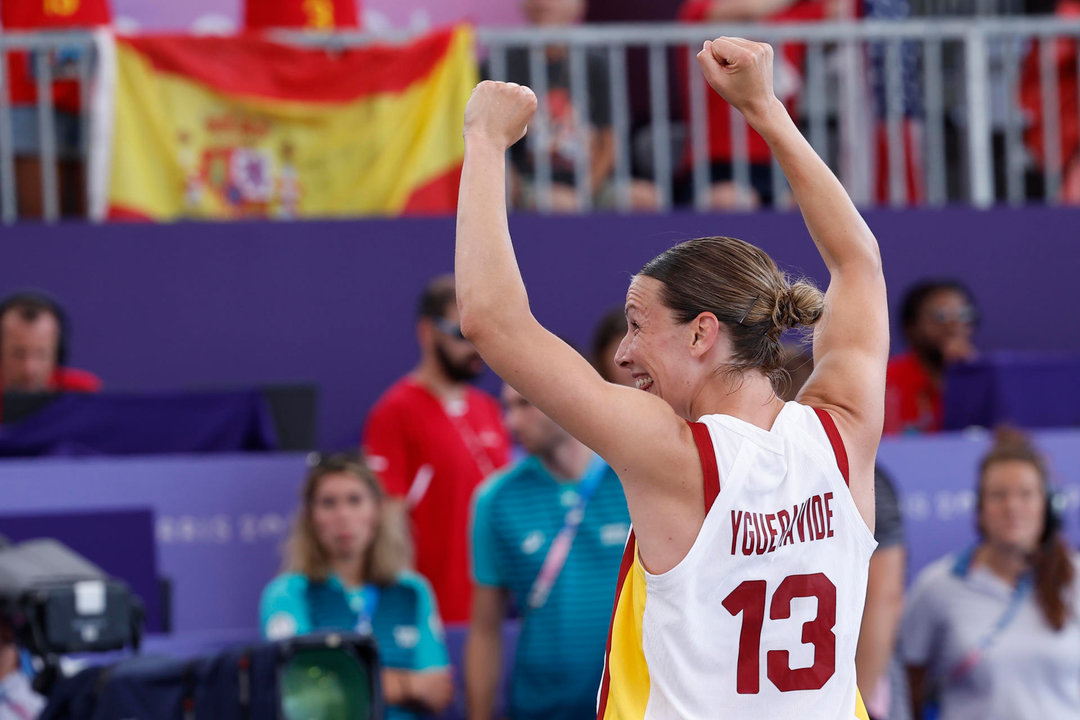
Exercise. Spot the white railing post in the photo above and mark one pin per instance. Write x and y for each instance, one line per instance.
(980, 152)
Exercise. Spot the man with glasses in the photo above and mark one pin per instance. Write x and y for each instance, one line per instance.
(938, 319)
(432, 438)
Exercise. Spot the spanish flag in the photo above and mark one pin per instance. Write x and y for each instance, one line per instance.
(242, 127)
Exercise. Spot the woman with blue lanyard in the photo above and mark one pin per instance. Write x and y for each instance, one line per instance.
(994, 632)
(345, 569)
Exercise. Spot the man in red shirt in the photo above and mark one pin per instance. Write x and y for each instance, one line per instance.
(33, 347)
(433, 438)
(938, 320)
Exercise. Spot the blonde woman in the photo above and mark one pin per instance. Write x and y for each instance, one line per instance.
(345, 569)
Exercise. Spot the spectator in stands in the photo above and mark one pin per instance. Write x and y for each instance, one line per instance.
(304, 14)
(884, 600)
(607, 336)
(18, 701)
(29, 16)
(994, 632)
(432, 438)
(1065, 67)
(34, 347)
(563, 141)
(345, 569)
(724, 193)
(938, 319)
(548, 532)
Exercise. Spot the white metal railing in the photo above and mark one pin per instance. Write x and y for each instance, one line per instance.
(957, 80)
(43, 49)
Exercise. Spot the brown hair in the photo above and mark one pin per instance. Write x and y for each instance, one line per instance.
(611, 326)
(1051, 563)
(390, 551)
(744, 288)
(437, 297)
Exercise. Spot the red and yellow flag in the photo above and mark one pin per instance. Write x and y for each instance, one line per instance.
(242, 127)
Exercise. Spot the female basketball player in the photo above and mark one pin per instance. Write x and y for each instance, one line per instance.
(743, 581)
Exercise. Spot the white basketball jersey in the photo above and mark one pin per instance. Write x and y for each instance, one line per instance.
(760, 620)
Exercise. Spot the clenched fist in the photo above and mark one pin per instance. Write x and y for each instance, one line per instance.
(499, 112)
(741, 71)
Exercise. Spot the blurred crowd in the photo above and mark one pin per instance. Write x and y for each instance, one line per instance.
(461, 508)
(896, 116)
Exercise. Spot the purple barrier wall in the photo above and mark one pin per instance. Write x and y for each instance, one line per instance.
(212, 305)
(220, 520)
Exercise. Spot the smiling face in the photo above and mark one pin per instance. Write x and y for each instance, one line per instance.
(656, 348)
(1013, 505)
(344, 515)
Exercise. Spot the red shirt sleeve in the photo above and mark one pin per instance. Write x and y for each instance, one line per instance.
(386, 447)
(73, 380)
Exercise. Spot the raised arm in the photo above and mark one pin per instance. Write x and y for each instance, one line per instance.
(496, 317)
(851, 341)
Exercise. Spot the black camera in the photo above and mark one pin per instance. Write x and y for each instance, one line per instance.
(57, 602)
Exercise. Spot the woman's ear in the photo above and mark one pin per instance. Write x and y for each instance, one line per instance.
(704, 333)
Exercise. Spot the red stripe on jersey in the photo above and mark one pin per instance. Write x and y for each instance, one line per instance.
(837, 442)
(708, 462)
(624, 570)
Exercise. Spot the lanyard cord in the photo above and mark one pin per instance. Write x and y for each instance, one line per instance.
(1023, 588)
(556, 556)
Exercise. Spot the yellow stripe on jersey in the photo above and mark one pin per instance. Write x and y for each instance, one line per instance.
(860, 708)
(628, 692)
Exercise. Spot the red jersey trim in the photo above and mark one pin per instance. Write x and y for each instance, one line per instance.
(837, 443)
(708, 462)
(624, 570)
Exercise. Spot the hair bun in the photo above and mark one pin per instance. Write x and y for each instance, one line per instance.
(800, 304)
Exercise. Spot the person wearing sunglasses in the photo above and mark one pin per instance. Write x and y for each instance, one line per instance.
(938, 319)
(432, 438)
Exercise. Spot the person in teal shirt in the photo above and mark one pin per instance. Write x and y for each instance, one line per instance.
(345, 569)
(560, 494)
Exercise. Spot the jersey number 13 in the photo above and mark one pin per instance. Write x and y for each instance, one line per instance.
(749, 599)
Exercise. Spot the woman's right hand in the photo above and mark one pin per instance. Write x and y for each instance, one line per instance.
(499, 112)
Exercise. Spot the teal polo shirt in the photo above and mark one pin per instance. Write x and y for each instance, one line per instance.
(402, 617)
(560, 652)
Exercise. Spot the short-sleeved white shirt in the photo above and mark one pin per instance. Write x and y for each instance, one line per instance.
(1029, 671)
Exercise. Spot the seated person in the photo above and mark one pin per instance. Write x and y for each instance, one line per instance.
(346, 570)
(33, 347)
(938, 319)
(993, 632)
